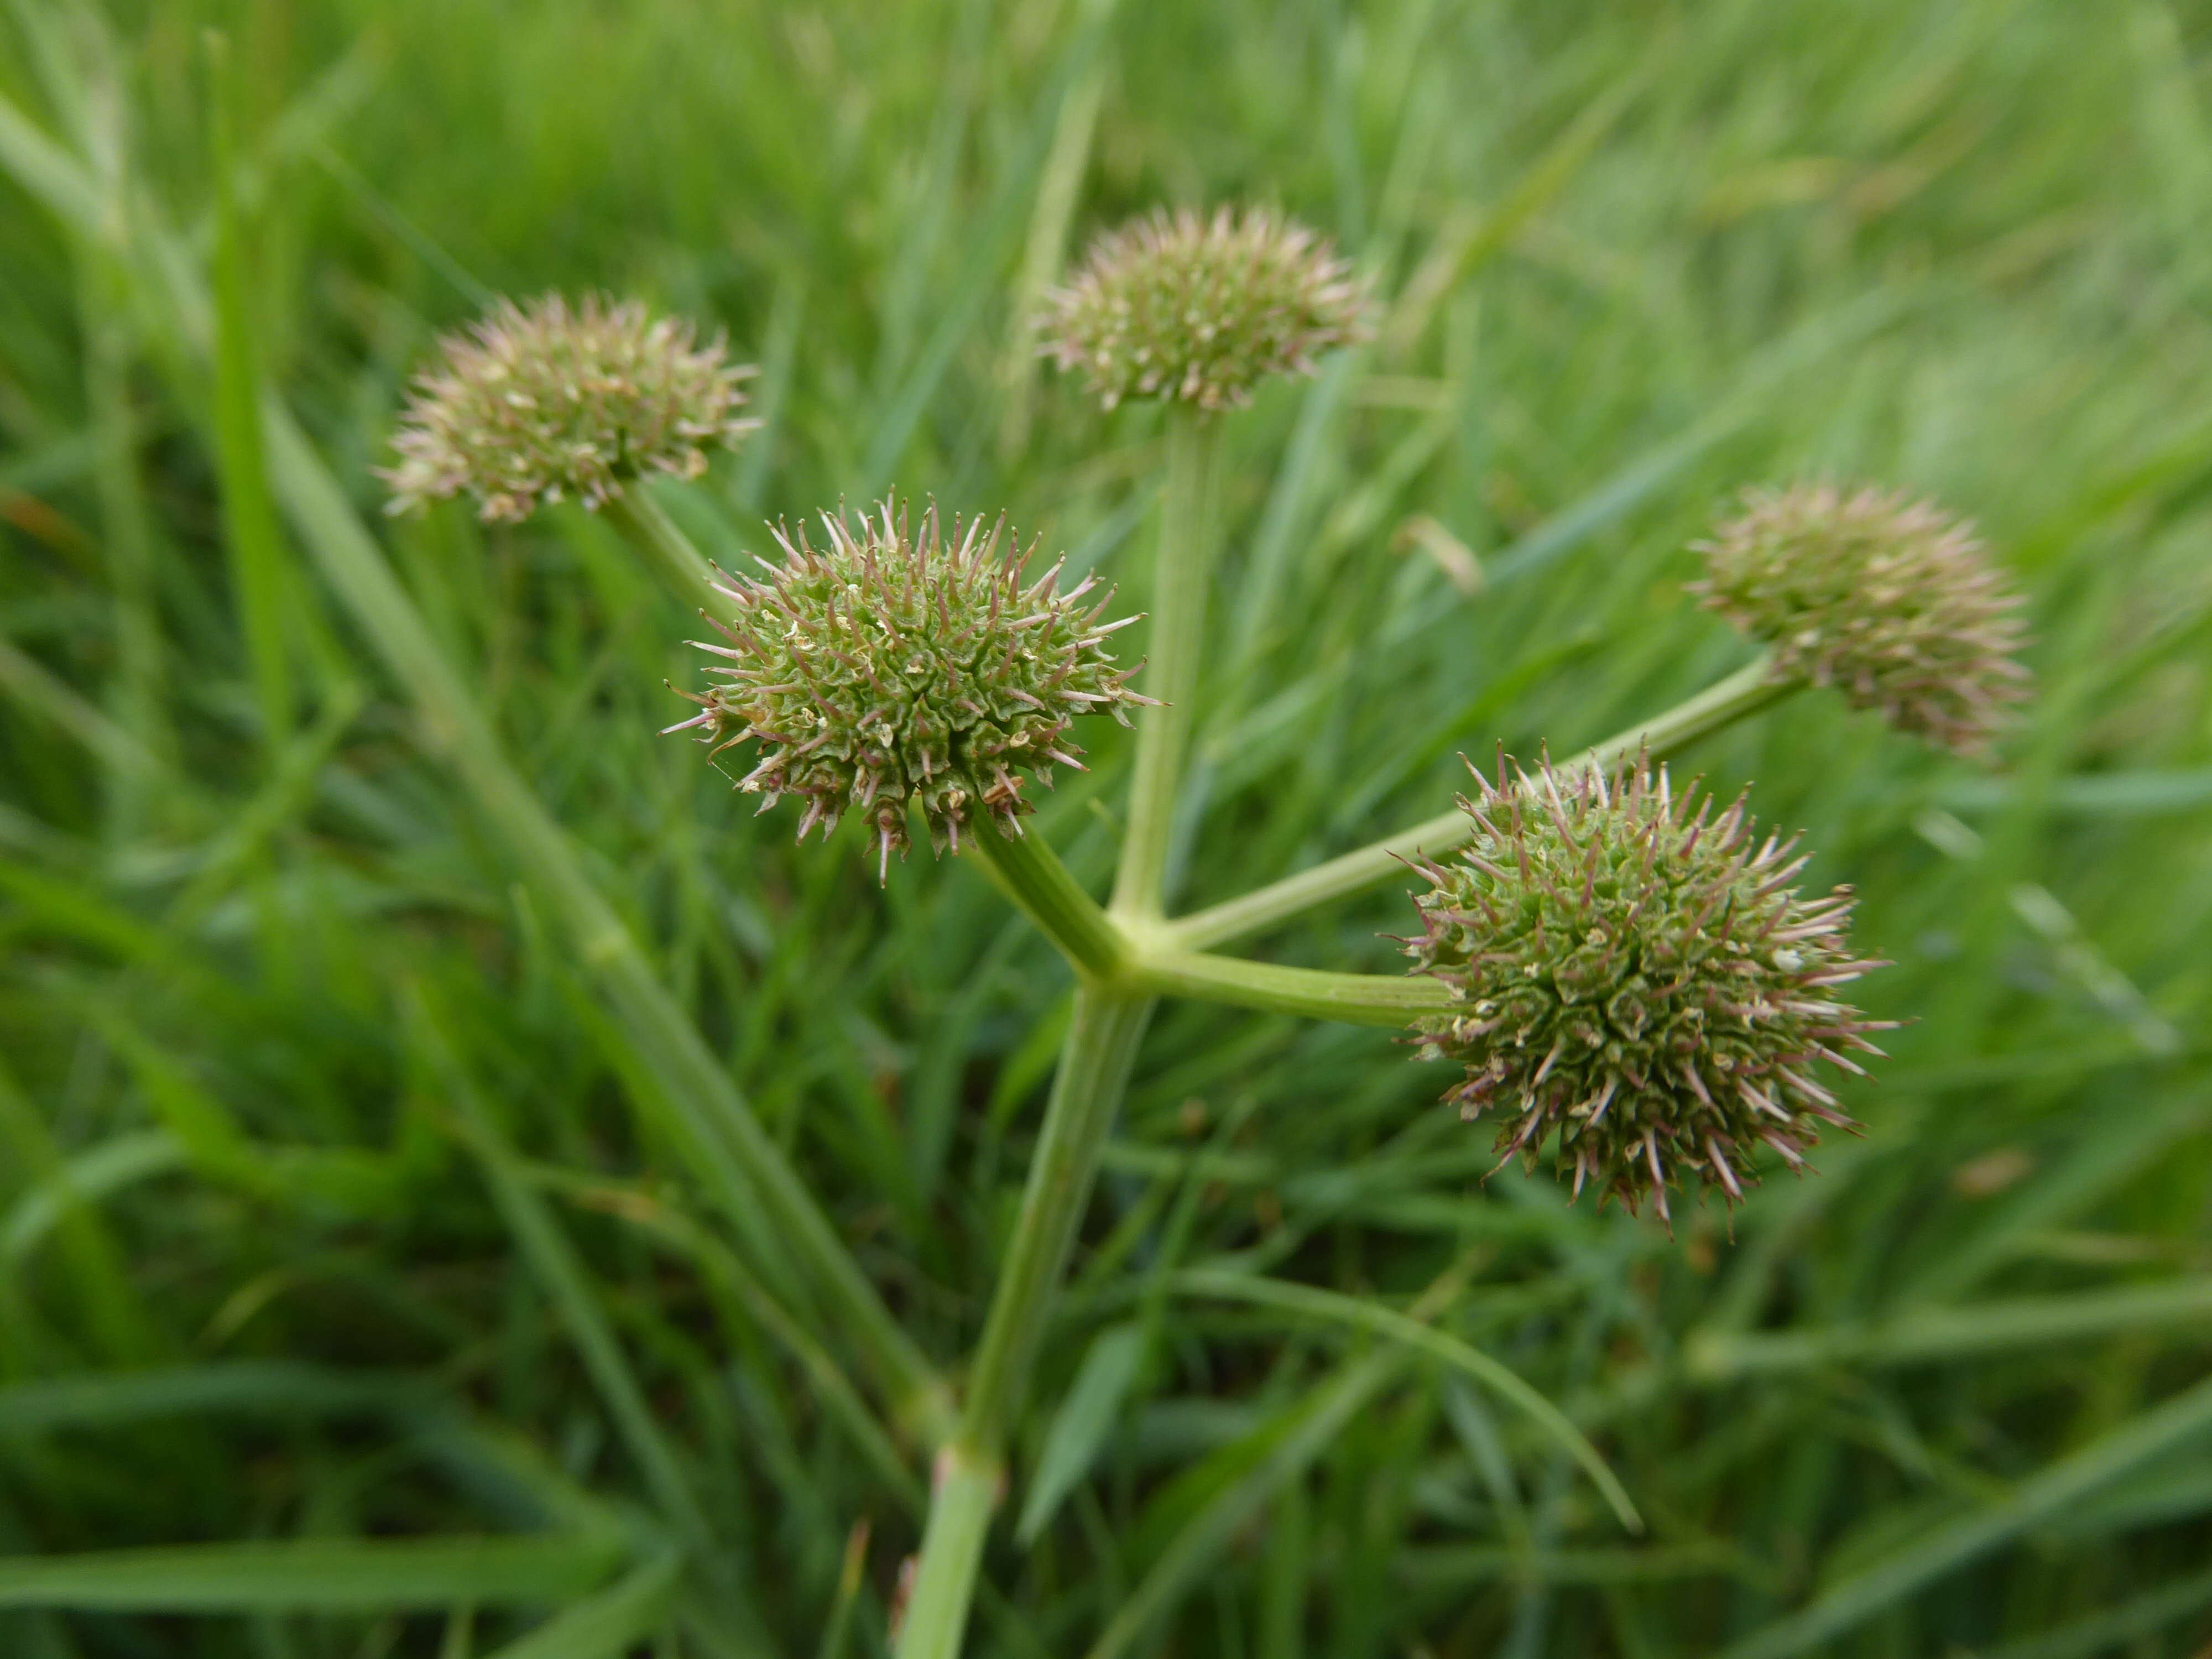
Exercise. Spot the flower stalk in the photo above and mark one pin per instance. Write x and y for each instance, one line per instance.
(1029, 873)
(653, 535)
(1189, 546)
(1750, 689)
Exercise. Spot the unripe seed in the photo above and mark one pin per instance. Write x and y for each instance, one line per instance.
(1639, 979)
(1200, 311)
(541, 402)
(1892, 602)
(931, 677)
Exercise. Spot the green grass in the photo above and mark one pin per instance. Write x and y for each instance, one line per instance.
(349, 1230)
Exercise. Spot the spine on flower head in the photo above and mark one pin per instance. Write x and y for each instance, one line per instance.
(892, 671)
(538, 403)
(1892, 602)
(1200, 311)
(1638, 983)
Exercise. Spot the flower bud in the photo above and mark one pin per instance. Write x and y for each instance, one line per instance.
(539, 402)
(886, 671)
(1889, 601)
(1639, 977)
(1175, 306)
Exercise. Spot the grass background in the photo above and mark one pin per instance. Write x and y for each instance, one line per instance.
(275, 1000)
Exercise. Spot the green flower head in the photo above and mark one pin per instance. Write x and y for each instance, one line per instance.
(540, 401)
(1637, 981)
(887, 672)
(1892, 602)
(1200, 311)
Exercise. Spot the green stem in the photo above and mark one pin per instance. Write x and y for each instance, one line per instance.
(1741, 694)
(1102, 1042)
(961, 1501)
(1190, 540)
(1352, 999)
(1086, 1091)
(1033, 878)
(648, 529)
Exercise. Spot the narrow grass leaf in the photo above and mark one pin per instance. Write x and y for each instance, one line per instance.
(2042, 1496)
(1081, 1425)
(315, 1575)
(607, 1624)
(1313, 1302)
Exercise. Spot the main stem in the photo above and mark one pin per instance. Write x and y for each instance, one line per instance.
(1102, 1042)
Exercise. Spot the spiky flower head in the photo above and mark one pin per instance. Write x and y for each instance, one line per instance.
(887, 669)
(1635, 972)
(1889, 600)
(539, 402)
(1176, 306)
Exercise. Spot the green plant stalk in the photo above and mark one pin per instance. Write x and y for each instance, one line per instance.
(1109, 1020)
(1744, 693)
(1189, 543)
(1029, 873)
(744, 1171)
(1130, 961)
(1307, 992)
(1086, 1092)
(962, 1500)
(645, 525)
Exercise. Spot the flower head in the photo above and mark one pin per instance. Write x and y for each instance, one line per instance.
(885, 671)
(1639, 976)
(542, 401)
(1176, 306)
(1890, 601)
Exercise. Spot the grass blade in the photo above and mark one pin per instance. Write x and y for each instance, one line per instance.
(250, 532)
(1079, 1427)
(2039, 1498)
(315, 1575)
(1311, 1302)
(553, 1261)
(607, 1624)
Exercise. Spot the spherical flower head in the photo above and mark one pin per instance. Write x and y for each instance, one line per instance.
(540, 401)
(1200, 311)
(885, 671)
(1635, 974)
(1890, 601)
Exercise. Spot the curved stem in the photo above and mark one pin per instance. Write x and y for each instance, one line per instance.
(1190, 540)
(1743, 693)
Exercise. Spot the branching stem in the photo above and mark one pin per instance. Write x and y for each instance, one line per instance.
(1111, 1015)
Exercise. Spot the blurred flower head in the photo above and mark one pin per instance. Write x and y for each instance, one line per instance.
(1636, 976)
(1890, 601)
(891, 669)
(1200, 311)
(541, 402)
